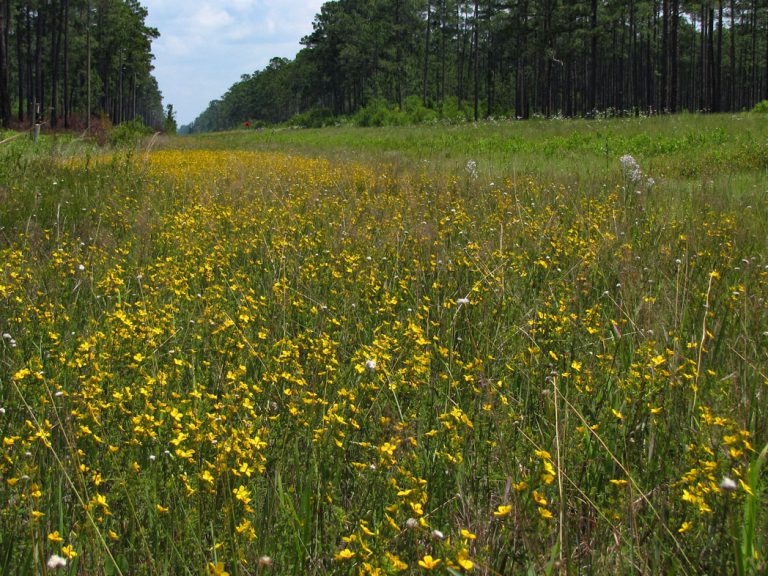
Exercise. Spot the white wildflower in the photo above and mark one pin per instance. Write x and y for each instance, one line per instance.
(728, 484)
(370, 365)
(55, 562)
(631, 169)
(411, 523)
(462, 301)
(471, 169)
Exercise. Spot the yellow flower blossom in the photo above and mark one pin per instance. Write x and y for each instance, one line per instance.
(344, 554)
(69, 552)
(217, 569)
(428, 563)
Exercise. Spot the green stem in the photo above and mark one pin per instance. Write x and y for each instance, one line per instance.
(747, 550)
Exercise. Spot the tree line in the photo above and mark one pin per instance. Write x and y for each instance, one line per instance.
(512, 58)
(63, 61)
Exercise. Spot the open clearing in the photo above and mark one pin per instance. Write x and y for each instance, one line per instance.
(508, 348)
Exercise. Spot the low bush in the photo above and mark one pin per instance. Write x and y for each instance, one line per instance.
(313, 118)
(128, 133)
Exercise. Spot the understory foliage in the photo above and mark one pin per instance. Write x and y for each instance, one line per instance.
(249, 362)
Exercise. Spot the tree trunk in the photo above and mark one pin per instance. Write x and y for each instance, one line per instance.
(619, 102)
(489, 64)
(5, 96)
(732, 60)
(425, 70)
(21, 78)
(399, 34)
(674, 65)
(703, 68)
(476, 66)
(593, 59)
(30, 69)
(521, 94)
(634, 59)
(765, 62)
(665, 56)
(39, 111)
(67, 101)
(718, 101)
(712, 107)
(650, 68)
(461, 55)
(56, 35)
(753, 91)
(443, 35)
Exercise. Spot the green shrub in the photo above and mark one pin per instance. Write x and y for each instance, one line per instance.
(452, 112)
(761, 107)
(128, 133)
(313, 118)
(416, 112)
(378, 112)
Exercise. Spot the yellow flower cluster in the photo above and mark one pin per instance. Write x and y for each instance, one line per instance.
(236, 354)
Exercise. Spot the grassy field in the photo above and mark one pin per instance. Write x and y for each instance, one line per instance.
(512, 348)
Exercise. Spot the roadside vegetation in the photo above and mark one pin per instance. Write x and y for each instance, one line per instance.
(511, 347)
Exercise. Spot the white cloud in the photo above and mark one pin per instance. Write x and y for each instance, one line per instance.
(204, 47)
(209, 19)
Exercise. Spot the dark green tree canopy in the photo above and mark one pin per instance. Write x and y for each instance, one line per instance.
(514, 58)
(72, 58)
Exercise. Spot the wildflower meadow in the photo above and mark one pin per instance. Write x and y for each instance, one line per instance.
(256, 353)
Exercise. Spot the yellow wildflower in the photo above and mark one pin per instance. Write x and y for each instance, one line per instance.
(428, 563)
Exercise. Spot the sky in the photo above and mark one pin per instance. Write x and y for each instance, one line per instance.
(205, 47)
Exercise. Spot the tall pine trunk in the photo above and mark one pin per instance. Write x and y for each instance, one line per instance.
(425, 70)
(521, 79)
(39, 111)
(674, 60)
(665, 57)
(65, 24)
(56, 36)
(732, 60)
(5, 95)
(593, 58)
(476, 66)
(718, 101)
(20, 76)
(712, 106)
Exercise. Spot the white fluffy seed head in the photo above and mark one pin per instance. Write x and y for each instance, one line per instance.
(265, 561)
(55, 562)
(728, 484)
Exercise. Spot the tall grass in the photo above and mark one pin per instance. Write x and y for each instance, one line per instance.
(351, 351)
